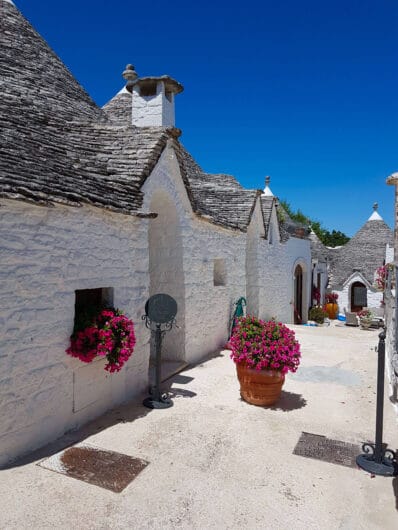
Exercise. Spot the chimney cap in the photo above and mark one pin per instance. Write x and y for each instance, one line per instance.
(171, 84)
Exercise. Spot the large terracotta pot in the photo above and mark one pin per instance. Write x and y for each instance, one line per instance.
(259, 387)
(331, 310)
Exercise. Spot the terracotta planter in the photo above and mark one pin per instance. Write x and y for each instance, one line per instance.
(332, 310)
(365, 323)
(259, 387)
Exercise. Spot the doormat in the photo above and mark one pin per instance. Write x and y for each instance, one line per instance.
(328, 450)
(106, 469)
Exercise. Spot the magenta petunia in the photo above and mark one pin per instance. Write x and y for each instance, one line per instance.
(110, 335)
(264, 345)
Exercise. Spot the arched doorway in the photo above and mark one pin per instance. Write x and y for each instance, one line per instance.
(359, 296)
(298, 294)
(166, 272)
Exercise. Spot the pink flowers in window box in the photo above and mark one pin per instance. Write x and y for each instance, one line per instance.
(265, 345)
(110, 334)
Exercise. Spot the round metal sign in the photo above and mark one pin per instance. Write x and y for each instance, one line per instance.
(161, 308)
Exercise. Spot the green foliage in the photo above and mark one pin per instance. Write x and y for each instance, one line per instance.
(317, 314)
(335, 238)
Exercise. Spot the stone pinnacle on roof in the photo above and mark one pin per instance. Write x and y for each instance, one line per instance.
(375, 215)
(267, 190)
(130, 75)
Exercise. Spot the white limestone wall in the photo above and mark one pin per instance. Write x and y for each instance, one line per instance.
(156, 111)
(320, 268)
(168, 116)
(254, 241)
(391, 346)
(280, 260)
(166, 271)
(389, 254)
(207, 307)
(46, 254)
(298, 252)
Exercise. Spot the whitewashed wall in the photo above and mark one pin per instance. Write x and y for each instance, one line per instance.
(280, 260)
(153, 111)
(254, 263)
(344, 301)
(46, 254)
(205, 310)
(320, 268)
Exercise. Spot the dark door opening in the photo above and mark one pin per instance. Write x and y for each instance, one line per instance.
(359, 298)
(298, 295)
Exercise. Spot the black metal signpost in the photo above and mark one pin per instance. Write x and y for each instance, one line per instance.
(377, 459)
(160, 312)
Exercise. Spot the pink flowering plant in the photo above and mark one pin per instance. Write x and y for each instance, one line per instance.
(264, 345)
(104, 333)
(381, 276)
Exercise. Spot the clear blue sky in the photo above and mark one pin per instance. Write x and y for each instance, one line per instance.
(305, 91)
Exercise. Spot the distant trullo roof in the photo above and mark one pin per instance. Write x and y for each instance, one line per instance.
(364, 253)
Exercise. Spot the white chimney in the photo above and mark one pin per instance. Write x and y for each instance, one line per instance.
(153, 99)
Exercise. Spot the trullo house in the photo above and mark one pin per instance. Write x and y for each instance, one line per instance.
(105, 204)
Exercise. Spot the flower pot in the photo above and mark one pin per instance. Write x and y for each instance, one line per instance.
(259, 387)
(332, 310)
(365, 323)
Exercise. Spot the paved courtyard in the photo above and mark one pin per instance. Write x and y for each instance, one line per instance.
(217, 462)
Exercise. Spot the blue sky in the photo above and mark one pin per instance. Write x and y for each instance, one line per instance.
(304, 91)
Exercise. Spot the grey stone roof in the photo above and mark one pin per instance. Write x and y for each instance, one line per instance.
(289, 228)
(364, 253)
(318, 249)
(56, 145)
(267, 202)
(219, 198)
(119, 108)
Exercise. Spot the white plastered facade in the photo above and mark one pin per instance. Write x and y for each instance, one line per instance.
(49, 253)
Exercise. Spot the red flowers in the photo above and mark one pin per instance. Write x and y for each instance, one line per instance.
(331, 298)
(110, 335)
(265, 345)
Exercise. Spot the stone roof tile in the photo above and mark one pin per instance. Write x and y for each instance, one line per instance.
(56, 145)
(218, 197)
(365, 252)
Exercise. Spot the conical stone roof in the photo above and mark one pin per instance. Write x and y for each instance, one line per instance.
(33, 79)
(56, 144)
(364, 253)
(318, 249)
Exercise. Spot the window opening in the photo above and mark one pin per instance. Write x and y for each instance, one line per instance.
(219, 272)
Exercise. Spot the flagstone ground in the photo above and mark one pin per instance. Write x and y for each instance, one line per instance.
(217, 462)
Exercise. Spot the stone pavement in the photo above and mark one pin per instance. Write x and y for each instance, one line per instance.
(217, 462)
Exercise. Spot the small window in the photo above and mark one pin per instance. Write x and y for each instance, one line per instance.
(220, 272)
(89, 301)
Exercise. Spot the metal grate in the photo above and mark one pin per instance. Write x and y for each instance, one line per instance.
(106, 469)
(328, 450)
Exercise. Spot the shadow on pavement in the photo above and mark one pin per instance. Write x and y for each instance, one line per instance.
(123, 414)
(180, 392)
(289, 401)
